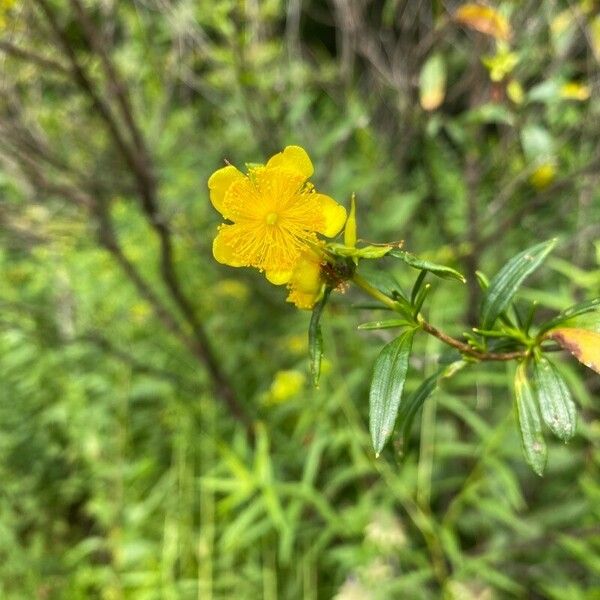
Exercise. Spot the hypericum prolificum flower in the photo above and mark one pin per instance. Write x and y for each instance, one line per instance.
(275, 214)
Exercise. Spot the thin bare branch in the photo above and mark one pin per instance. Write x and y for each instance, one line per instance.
(32, 57)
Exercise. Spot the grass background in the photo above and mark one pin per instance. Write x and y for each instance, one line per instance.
(123, 346)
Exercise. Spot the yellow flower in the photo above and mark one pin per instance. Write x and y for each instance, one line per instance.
(502, 63)
(573, 90)
(275, 214)
(285, 386)
(543, 176)
(305, 282)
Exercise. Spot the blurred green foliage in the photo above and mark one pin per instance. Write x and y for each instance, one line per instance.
(124, 474)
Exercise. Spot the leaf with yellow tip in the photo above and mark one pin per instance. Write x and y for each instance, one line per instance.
(483, 19)
(514, 90)
(432, 82)
(583, 344)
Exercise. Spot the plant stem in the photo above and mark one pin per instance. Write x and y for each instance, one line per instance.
(462, 347)
(465, 348)
(364, 285)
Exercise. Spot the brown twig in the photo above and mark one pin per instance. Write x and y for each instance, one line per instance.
(466, 349)
(462, 347)
(32, 57)
(138, 161)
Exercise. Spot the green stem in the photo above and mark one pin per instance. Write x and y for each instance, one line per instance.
(364, 285)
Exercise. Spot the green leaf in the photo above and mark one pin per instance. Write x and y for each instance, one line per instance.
(564, 317)
(537, 143)
(412, 404)
(556, 405)
(534, 446)
(373, 251)
(342, 250)
(389, 376)
(409, 408)
(505, 284)
(315, 338)
(387, 324)
(417, 263)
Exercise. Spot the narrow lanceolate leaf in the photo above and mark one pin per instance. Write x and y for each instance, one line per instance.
(583, 344)
(556, 404)
(412, 404)
(432, 82)
(417, 263)
(386, 324)
(409, 407)
(505, 284)
(389, 376)
(373, 251)
(589, 306)
(530, 424)
(315, 339)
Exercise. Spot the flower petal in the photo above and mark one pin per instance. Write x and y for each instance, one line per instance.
(334, 215)
(278, 277)
(306, 283)
(293, 158)
(303, 300)
(223, 247)
(219, 183)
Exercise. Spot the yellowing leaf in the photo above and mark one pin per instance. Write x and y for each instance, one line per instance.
(594, 32)
(515, 92)
(483, 19)
(432, 83)
(584, 345)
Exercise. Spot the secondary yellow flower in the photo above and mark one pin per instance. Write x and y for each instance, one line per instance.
(573, 90)
(285, 386)
(543, 176)
(275, 214)
(305, 282)
(502, 63)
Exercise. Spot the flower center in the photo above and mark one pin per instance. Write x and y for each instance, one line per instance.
(272, 218)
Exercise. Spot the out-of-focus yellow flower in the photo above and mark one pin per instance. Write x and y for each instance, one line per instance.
(306, 283)
(5, 7)
(296, 343)
(285, 386)
(543, 176)
(502, 63)
(231, 288)
(575, 91)
(275, 214)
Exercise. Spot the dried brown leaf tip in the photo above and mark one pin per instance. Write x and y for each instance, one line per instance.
(583, 344)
